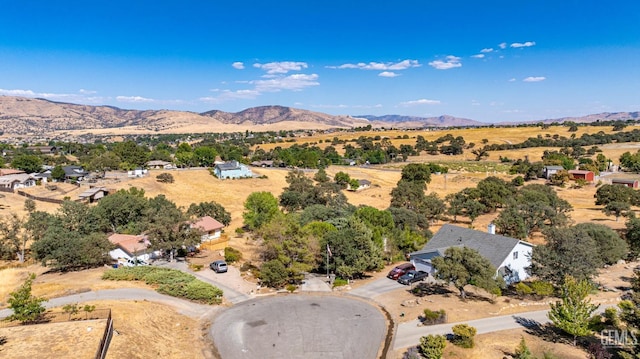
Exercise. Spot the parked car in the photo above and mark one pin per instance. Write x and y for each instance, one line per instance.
(412, 276)
(218, 266)
(400, 270)
(132, 262)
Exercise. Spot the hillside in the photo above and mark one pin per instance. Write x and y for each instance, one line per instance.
(417, 122)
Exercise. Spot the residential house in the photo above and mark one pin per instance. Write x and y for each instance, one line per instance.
(633, 183)
(232, 169)
(160, 165)
(45, 150)
(17, 181)
(130, 247)
(74, 173)
(93, 194)
(510, 256)
(362, 185)
(588, 176)
(211, 228)
(9, 171)
(137, 173)
(549, 171)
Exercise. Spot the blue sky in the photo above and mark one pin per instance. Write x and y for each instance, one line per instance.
(491, 61)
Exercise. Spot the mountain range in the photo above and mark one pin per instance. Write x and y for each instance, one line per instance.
(32, 116)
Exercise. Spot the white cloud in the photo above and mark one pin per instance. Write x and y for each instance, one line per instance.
(478, 56)
(486, 50)
(420, 102)
(475, 103)
(26, 93)
(523, 44)
(380, 66)
(502, 45)
(87, 92)
(450, 63)
(238, 65)
(295, 82)
(534, 79)
(281, 67)
(388, 74)
(226, 95)
(513, 79)
(134, 99)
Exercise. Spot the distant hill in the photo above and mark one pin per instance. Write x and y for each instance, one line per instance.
(30, 116)
(417, 122)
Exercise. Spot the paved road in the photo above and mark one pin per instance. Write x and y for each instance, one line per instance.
(377, 287)
(184, 307)
(409, 333)
(299, 326)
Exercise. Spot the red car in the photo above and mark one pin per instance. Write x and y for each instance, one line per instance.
(400, 270)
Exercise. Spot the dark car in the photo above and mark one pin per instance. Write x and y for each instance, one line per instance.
(400, 270)
(218, 266)
(412, 276)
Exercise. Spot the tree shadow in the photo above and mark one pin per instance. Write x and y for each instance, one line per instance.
(424, 289)
(546, 331)
(3, 340)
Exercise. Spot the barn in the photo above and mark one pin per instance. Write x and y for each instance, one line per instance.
(633, 183)
(588, 176)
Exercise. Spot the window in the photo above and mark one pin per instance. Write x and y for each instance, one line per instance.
(515, 255)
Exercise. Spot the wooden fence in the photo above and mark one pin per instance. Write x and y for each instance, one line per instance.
(106, 338)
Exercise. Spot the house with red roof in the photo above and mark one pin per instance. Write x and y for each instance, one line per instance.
(130, 247)
(212, 228)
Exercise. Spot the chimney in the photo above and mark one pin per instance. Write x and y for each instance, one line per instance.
(491, 228)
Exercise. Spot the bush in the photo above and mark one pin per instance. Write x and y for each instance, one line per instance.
(196, 267)
(273, 274)
(165, 178)
(518, 181)
(169, 281)
(523, 289)
(431, 317)
(463, 335)
(232, 255)
(291, 288)
(339, 282)
(542, 288)
(432, 346)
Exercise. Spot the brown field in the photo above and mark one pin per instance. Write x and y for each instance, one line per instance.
(154, 330)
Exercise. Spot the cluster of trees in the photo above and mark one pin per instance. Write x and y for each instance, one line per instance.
(312, 226)
(75, 236)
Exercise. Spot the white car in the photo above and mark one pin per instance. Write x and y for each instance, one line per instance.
(134, 262)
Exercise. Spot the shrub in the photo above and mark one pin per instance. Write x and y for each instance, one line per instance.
(518, 181)
(169, 281)
(432, 346)
(273, 274)
(291, 288)
(431, 317)
(542, 288)
(522, 351)
(463, 335)
(232, 255)
(196, 267)
(523, 289)
(339, 282)
(165, 178)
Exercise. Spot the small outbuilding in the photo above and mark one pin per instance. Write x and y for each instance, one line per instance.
(633, 183)
(588, 176)
(549, 171)
(93, 194)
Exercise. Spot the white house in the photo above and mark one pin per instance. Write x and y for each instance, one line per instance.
(549, 171)
(137, 173)
(17, 181)
(232, 169)
(510, 256)
(211, 228)
(130, 247)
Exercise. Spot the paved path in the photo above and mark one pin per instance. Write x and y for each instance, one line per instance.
(184, 307)
(376, 287)
(409, 333)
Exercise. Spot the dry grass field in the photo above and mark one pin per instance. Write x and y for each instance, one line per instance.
(152, 330)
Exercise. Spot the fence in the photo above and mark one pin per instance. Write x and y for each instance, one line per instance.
(106, 338)
(43, 199)
(61, 317)
(6, 189)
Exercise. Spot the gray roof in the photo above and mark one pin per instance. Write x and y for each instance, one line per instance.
(494, 247)
(228, 166)
(554, 168)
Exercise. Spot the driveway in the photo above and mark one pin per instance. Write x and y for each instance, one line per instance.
(377, 287)
(299, 326)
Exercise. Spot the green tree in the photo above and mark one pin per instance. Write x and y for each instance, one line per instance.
(27, 163)
(211, 209)
(432, 346)
(204, 156)
(568, 252)
(58, 174)
(494, 192)
(416, 172)
(104, 162)
(572, 314)
(463, 335)
(273, 274)
(632, 235)
(300, 192)
(342, 179)
(131, 153)
(122, 211)
(321, 176)
(522, 351)
(165, 178)
(260, 208)
(26, 307)
(11, 237)
(462, 266)
(29, 205)
(610, 247)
